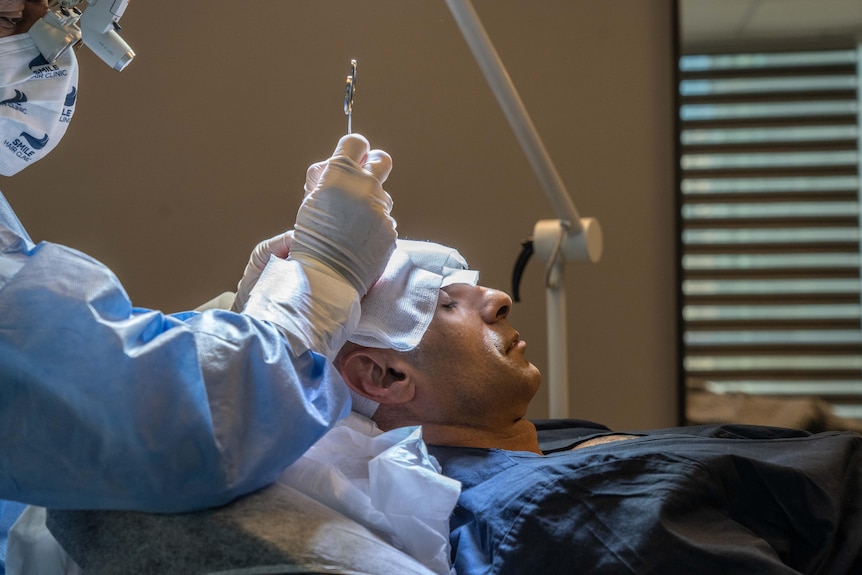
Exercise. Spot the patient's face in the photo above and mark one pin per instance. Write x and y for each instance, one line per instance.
(472, 360)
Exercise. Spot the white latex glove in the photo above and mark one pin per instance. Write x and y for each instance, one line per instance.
(344, 222)
(341, 243)
(278, 246)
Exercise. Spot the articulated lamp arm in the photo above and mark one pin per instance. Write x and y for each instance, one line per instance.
(570, 238)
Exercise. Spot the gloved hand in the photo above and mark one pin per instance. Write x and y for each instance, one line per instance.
(344, 220)
(278, 246)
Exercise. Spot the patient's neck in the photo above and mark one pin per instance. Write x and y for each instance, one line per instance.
(519, 436)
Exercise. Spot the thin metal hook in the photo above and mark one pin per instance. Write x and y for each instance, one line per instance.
(349, 91)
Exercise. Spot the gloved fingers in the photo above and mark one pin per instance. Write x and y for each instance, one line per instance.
(281, 245)
(312, 176)
(278, 246)
(344, 221)
(354, 147)
(379, 163)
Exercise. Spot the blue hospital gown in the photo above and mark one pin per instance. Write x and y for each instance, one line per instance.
(103, 405)
(714, 500)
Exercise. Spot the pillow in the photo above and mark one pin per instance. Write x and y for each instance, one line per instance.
(358, 501)
(275, 530)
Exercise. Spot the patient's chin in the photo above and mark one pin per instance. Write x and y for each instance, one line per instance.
(535, 380)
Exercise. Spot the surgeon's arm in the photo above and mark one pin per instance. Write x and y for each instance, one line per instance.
(106, 406)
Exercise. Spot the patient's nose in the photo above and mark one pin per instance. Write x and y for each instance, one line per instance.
(497, 305)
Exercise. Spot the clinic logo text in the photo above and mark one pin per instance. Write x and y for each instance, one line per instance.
(42, 69)
(68, 106)
(26, 145)
(16, 101)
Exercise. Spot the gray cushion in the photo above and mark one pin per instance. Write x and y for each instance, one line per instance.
(276, 530)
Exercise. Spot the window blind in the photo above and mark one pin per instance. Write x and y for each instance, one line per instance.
(770, 169)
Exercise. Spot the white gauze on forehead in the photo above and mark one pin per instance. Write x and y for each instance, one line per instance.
(399, 307)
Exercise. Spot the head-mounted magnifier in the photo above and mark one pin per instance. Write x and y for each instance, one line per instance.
(97, 26)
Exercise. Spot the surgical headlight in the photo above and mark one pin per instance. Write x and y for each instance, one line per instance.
(56, 32)
(98, 27)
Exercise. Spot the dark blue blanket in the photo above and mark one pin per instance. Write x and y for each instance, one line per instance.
(719, 499)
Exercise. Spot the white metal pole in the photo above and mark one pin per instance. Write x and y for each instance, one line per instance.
(558, 347)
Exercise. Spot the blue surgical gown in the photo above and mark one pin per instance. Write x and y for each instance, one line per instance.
(103, 405)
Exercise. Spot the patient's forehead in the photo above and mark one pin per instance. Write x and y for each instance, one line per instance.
(458, 287)
(456, 290)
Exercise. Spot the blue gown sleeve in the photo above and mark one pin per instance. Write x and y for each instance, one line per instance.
(106, 406)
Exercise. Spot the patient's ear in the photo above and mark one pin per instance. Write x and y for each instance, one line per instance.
(378, 374)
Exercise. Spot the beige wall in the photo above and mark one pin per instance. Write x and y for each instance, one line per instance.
(175, 168)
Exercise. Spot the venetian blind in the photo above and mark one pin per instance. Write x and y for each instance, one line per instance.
(770, 169)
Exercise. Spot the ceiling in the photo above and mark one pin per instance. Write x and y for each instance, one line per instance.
(722, 22)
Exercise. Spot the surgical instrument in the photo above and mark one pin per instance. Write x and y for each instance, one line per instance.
(349, 92)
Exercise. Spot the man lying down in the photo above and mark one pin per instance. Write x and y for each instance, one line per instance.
(576, 497)
(435, 349)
